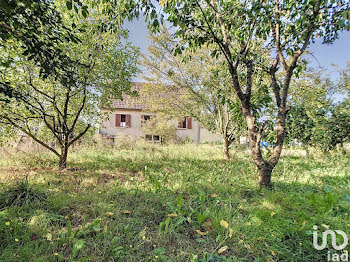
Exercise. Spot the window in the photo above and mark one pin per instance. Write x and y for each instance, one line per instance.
(153, 138)
(122, 120)
(183, 123)
(186, 123)
(145, 118)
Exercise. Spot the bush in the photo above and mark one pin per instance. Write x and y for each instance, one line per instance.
(161, 126)
(125, 142)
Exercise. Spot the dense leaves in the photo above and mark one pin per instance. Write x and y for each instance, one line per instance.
(38, 27)
(317, 117)
(56, 110)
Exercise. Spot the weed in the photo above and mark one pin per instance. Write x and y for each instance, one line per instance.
(21, 194)
(168, 203)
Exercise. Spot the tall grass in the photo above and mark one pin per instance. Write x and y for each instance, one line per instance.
(170, 203)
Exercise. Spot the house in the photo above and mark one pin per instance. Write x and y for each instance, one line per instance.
(128, 115)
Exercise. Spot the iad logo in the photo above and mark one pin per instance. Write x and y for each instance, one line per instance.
(335, 256)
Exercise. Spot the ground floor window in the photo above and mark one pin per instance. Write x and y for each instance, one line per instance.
(153, 138)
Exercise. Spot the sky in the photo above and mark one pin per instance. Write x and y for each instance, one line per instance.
(322, 55)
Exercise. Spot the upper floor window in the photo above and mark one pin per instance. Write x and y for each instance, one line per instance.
(186, 123)
(122, 120)
(145, 118)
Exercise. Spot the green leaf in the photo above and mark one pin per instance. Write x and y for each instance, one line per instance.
(167, 222)
(328, 189)
(79, 244)
(85, 12)
(69, 229)
(179, 203)
(346, 198)
(160, 251)
(69, 4)
(96, 228)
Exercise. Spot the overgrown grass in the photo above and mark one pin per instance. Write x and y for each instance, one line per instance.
(173, 203)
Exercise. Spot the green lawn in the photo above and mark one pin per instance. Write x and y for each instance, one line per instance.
(171, 203)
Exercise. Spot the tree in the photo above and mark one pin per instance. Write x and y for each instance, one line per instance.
(38, 27)
(340, 125)
(315, 118)
(63, 107)
(299, 126)
(161, 126)
(198, 88)
(337, 121)
(342, 110)
(310, 102)
(333, 130)
(286, 29)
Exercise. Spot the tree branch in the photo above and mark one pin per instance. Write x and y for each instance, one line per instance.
(27, 132)
(79, 111)
(79, 136)
(276, 33)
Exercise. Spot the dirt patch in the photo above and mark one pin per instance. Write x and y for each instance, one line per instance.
(105, 178)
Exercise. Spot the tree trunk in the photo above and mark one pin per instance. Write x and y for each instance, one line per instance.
(226, 149)
(307, 151)
(63, 159)
(265, 176)
(343, 151)
(265, 167)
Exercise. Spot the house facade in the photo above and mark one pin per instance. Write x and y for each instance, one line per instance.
(127, 116)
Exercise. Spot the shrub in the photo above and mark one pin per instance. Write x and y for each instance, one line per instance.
(125, 142)
(161, 126)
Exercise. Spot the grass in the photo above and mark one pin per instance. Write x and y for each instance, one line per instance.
(171, 203)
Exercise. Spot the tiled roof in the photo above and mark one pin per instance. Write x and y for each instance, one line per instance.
(138, 102)
(131, 102)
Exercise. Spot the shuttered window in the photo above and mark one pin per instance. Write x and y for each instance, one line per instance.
(128, 121)
(185, 123)
(117, 120)
(182, 123)
(122, 120)
(189, 122)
